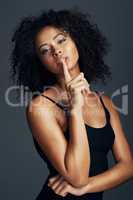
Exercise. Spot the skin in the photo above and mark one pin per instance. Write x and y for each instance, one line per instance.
(110, 178)
(92, 107)
(61, 46)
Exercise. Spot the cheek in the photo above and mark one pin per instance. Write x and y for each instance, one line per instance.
(47, 62)
(51, 65)
(73, 53)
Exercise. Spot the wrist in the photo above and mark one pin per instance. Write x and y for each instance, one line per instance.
(88, 187)
(76, 110)
(84, 189)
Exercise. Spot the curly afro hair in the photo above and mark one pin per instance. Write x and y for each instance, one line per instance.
(26, 67)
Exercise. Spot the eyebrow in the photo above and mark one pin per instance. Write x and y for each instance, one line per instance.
(53, 39)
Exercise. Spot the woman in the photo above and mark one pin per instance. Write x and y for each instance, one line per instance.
(57, 55)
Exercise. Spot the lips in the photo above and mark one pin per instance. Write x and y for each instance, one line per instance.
(58, 61)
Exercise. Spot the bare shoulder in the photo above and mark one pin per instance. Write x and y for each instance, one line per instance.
(39, 106)
(40, 102)
(115, 119)
(108, 103)
(114, 114)
(121, 149)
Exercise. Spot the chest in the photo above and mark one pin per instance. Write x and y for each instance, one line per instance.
(94, 117)
(99, 131)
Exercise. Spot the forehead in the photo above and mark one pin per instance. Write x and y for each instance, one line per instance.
(47, 34)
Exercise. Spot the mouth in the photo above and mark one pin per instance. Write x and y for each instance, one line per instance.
(59, 62)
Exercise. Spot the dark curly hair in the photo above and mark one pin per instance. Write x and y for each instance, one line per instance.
(26, 67)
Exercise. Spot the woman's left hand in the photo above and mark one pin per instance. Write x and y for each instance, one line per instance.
(61, 187)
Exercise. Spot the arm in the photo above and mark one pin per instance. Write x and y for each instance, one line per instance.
(78, 151)
(123, 170)
(111, 178)
(65, 156)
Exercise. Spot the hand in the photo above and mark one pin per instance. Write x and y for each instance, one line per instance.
(76, 87)
(62, 187)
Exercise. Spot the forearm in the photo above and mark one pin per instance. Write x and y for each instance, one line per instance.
(116, 175)
(77, 157)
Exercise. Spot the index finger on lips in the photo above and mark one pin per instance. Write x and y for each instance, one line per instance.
(65, 70)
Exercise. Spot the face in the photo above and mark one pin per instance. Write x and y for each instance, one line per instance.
(52, 44)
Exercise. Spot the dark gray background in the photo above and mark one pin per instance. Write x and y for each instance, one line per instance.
(22, 170)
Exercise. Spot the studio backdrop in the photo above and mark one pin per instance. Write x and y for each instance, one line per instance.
(23, 172)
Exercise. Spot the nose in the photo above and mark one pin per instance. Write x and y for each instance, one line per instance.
(57, 52)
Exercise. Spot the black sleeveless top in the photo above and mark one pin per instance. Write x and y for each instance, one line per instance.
(100, 142)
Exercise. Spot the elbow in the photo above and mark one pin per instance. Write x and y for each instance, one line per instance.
(79, 181)
(78, 177)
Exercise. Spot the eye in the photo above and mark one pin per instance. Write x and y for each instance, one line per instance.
(62, 39)
(44, 51)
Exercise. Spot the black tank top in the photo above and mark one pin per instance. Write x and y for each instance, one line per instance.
(100, 143)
